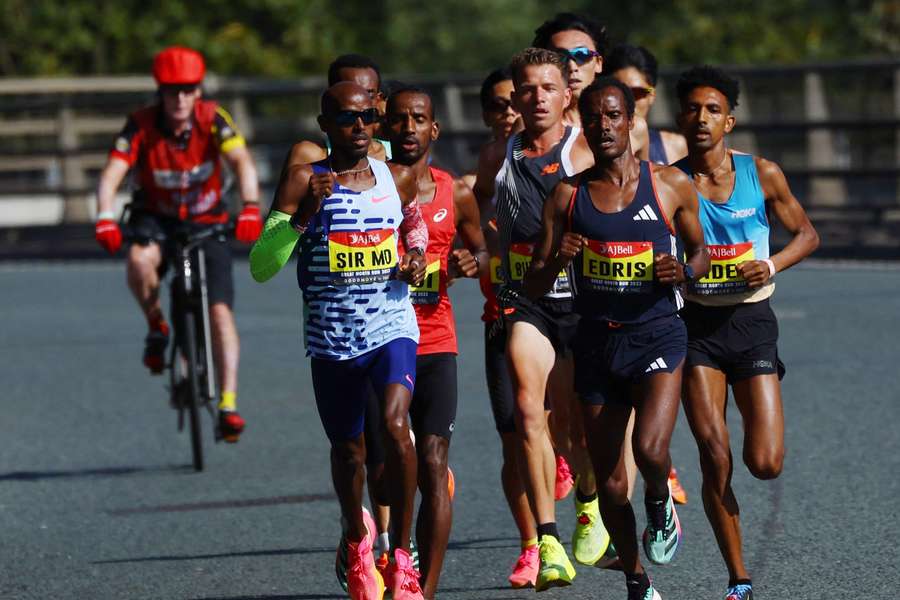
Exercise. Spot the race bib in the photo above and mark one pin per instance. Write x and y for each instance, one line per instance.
(496, 265)
(619, 267)
(723, 277)
(430, 290)
(519, 261)
(361, 257)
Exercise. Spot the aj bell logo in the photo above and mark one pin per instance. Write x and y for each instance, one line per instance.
(440, 215)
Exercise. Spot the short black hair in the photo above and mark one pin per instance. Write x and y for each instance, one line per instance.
(351, 61)
(707, 76)
(536, 57)
(626, 55)
(487, 86)
(566, 21)
(602, 83)
(407, 88)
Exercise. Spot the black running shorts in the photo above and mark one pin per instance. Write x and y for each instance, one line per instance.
(609, 361)
(740, 340)
(147, 227)
(433, 408)
(555, 319)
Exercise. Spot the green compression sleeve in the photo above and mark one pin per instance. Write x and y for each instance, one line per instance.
(274, 247)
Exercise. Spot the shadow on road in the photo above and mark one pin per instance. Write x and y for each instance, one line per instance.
(248, 503)
(177, 557)
(99, 472)
(275, 597)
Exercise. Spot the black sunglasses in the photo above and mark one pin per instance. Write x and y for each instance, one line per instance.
(498, 104)
(346, 118)
(580, 54)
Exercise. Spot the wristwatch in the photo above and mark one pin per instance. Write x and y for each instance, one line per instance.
(417, 250)
(688, 271)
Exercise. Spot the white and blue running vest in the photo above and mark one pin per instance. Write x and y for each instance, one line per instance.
(347, 271)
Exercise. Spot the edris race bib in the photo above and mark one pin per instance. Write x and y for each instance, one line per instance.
(619, 267)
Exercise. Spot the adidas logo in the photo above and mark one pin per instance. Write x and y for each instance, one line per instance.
(659, 363)
(646, 214)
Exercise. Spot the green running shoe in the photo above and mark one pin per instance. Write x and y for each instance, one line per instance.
(590, 538)
(556, 569)
(662, 535)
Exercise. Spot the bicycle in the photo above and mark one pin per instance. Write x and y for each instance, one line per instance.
(192, 383)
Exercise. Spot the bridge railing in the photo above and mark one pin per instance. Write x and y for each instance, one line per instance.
(834, 129)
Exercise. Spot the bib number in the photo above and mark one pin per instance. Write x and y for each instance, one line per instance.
(618, 267)
(430, 290)
(361, 256)
(520, 256)
(724, 277)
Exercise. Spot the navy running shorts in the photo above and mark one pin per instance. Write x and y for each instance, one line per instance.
(609, 361)
(343, 387)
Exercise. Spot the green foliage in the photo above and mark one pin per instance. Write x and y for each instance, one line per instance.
(290, 38)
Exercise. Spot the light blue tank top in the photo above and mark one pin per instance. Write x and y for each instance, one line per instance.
(736, 231)
(346, 270)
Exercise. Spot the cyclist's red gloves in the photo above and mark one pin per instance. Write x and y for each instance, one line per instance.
(108, 235)
(249, 224)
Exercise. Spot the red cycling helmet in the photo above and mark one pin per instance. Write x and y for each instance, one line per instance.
(177, 65)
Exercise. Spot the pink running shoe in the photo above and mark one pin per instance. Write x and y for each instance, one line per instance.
(404, 577)
(525, 571)
(564, 479)
(364, 582)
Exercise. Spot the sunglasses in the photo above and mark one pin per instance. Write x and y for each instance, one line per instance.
(346, 118)
(640, 93)
(580, 54)
(498, 104)
(176, 89)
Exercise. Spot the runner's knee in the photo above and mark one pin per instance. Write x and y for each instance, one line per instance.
(349, 454)
(764, 465)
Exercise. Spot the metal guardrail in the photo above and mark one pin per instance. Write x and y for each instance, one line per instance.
(834, 129)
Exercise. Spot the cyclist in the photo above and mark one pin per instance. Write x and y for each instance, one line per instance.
(175, 146)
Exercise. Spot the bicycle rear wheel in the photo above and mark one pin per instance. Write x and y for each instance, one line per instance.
(194, 398)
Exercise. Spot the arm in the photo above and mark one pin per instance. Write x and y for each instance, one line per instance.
(241, 162)
(680, 200)
(110, 179)
(413, 228)
(490, 159)
(557, 246)
(276, 243)
(640, 138)
(473, 260)
(794, 219)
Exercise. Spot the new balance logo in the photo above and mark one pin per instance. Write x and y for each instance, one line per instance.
(646, 214)
(657, 364)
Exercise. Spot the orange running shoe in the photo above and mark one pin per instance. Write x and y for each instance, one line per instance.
(678, 493)
(525, 571)
(364, 582)
(564, 480)
(451, 483)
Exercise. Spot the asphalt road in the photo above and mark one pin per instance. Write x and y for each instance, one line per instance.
(97, 499)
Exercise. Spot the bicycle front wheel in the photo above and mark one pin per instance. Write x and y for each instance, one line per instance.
(194, 399)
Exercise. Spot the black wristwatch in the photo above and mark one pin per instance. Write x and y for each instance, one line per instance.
(688, 271)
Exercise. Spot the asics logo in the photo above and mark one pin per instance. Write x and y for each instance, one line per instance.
(440, 215)
(381, 199)
(646, 214)
(657, 364)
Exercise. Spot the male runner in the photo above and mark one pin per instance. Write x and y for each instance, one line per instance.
(362, 71)
(616, 220)
(732, 331)
(176, 145)
(503, 120)
(448, 207)
(348, 211)
(636, 67)
(522, 172)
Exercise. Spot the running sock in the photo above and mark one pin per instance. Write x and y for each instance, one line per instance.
(584, 499)
(526, 544)
(641, 581)
(548, 529)
(383, 543)
(734, 582)
(228, 401)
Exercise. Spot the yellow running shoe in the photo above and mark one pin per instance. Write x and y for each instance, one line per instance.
(556, 568)
(590, 538)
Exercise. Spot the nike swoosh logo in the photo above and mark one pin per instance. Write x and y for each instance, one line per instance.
(382, 199)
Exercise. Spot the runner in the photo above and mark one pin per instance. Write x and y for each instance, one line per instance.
(616, 220)
(360, 326)
(448, 207)
(176, 145)
(522, 171)
(636, 67)
(582, 40)
(362, 71)
(732, 331)
(503, 119)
